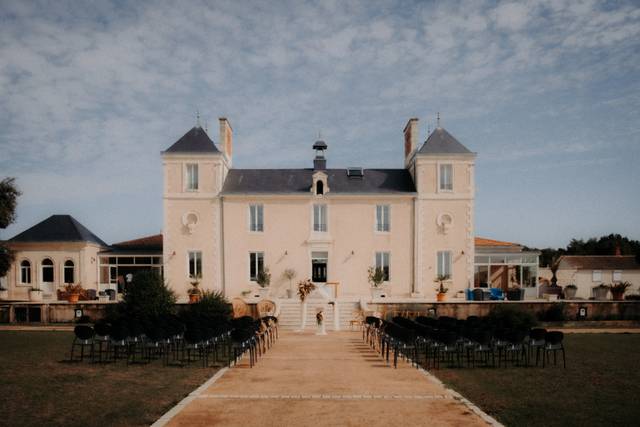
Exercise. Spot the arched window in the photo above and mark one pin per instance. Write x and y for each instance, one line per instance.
(47, 271)
(68, 271)
(319, 188)
(25, 272)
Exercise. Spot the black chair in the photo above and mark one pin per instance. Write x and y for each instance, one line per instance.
(554, 343)
(84, 339)
(118, 340)
(102, 341)
(536, 342)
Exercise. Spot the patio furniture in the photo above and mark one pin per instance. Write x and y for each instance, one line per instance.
(240, 308)
(112, 294)
(515, 294)
(478, 294)
(101, 341)
(536, 342)
(83, 339)
(553, 344)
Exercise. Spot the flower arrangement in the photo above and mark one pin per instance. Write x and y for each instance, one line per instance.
(305, 287)
(618, 290)
(72, 289)
(319, 317)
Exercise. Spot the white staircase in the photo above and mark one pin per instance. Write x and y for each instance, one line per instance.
(290, 314)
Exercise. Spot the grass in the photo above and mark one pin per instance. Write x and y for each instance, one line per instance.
(600, 386)
(37, 390)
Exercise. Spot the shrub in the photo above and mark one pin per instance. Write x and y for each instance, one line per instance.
(511, 318)
(146, 298)
(632, 297)
(555, 313)
(212, 305)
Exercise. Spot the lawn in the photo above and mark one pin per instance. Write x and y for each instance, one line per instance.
(600, 386)
(37, 390)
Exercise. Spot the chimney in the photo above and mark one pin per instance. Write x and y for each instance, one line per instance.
(618, 250)
(410, 137)
(226, 137)
(319, 162)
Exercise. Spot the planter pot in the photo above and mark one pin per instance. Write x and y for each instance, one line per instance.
(4, 294)
(73, 298)
(194, 298)
(103, 298)
(261, 293)
(289, 293)
(378, 293)
(441, 297)
(35, 296)
(617, 296)
(550, 297)
(515, 294)
(600, 293)
(570, 293)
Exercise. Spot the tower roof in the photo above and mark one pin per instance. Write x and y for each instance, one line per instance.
(58, 228)
(320, 145)
(194, 141)
(442, 142)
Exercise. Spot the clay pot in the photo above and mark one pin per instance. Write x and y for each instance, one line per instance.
(194, 298)
(73, 298)
(441, 297)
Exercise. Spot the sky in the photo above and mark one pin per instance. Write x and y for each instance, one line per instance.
(546, 92)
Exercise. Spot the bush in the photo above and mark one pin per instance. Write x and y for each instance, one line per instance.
(632, 297)
(555, 313)
(511, 318)
(212, 305)
(146, 299)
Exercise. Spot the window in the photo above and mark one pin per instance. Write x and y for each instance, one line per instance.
(596, 276)
(192, 177)
(382, 261)
(195, 264)
(25, 272)
(320, 218)
(256, 218)
(382, 218)
(446, 177)
(256, 264)
(319, 188)
(68, 272)
(47, 270)
(444, 263)
(617, 275)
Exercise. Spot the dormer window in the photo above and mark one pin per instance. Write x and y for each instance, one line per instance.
(319, 186)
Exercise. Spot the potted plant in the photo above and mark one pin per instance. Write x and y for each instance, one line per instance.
(35, 294)
(618, 289)
(289, 274)
(376, 279)
(73, 292)
(263, 280)
(600, 292)
(440, 289)
(4, 293)
(570, 291)
(194, 292)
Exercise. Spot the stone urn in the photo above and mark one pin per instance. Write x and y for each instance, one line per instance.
(378, 292)
(570, 291)
(600, 292)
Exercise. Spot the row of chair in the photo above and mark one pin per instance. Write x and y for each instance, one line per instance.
(175, 341)
(428, 342)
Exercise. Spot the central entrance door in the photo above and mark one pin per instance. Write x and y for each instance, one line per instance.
(319, 267)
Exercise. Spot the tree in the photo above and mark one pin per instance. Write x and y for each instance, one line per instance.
(9, 194)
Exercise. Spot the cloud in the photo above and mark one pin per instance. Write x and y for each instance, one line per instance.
(93, 91)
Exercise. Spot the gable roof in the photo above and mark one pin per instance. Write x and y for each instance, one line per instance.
(299, 181)
(442, 142)
(194, 141)
(599, 262)
(146, 244)
(58, 228)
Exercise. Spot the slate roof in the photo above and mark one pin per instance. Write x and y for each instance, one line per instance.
(599, 262)
(442, 142)
(147, 244)
(58, 228)
(194, 141)
(298, 181)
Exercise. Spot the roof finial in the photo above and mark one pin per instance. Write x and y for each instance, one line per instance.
(197, 118)
(438, 120)
(319, 134)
